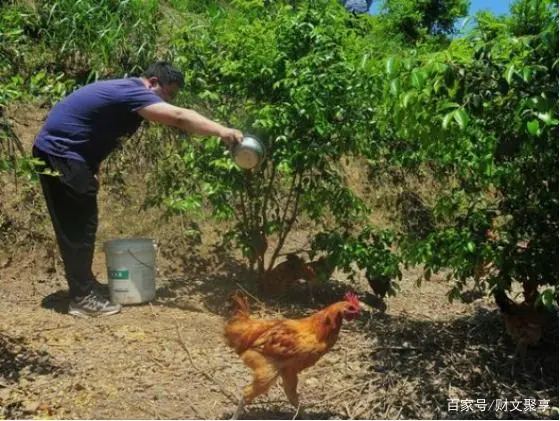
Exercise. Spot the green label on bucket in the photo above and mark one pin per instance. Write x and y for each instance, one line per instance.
(118, 274)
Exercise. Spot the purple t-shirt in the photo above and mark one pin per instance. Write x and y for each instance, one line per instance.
(87, 124)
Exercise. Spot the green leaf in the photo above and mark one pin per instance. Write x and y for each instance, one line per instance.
(547, 298)
(395, 86)
(533, 127)
(447, 119)
(439, 68)
(510, 71)
(418, 79)
(461, 117)
(476, 101)
(447, 104)
(449, 77)
(408, 64)
(407, 98)
(527, 73)
(437, 85)
(545, 117)
(471, 246)
(391, 66)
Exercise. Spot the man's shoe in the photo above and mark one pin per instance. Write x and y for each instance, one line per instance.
(92, 305)
(102, 289)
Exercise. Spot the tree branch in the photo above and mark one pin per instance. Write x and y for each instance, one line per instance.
(287, 224)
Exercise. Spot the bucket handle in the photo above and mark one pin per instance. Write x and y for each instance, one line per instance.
(139, 261)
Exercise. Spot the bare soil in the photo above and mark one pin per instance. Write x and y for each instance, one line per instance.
(167, 360)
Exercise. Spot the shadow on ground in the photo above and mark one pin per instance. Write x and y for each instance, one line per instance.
(57, 301)
(17, 359)
(213, 280)
(20, 361)
(465, 358)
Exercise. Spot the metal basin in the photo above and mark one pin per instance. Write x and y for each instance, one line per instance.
(248, 154)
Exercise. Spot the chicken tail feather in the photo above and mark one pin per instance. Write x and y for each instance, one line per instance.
(241, 330)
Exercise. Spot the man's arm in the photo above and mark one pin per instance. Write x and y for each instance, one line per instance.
(189, 121)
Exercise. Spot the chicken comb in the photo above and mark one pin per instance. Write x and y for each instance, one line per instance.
(352, 298)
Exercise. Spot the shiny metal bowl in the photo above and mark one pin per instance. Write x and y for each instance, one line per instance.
(248, 154)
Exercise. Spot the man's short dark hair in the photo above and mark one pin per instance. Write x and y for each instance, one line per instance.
(166, 73)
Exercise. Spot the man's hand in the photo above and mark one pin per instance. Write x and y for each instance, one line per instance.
(231, 136)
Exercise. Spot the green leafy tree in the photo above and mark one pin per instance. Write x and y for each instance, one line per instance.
(416, 19)
(291, 77)
(530, 17)
(484, 116)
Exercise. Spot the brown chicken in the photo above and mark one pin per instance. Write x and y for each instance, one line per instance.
(285, 274)
(283, 348)
(524, 323)
(258, 245)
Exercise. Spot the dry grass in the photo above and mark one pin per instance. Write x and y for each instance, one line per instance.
(380, 190)
(168, 360)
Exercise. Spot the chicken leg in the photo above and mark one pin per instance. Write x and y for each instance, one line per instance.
(290, 382)
(263, 378)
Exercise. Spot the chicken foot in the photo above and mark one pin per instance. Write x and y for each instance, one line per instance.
(262, 381)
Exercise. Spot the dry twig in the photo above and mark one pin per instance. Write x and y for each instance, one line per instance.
(338, 392)
(297, 412)
(347, 409)
(191, 405)
(152, 310)
(53, 328)
(249, 294)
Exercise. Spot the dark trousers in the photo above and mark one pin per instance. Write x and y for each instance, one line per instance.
(71, 200)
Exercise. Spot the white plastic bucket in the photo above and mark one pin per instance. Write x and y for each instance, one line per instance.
(131, 269)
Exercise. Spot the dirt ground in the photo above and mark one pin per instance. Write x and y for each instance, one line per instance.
(415, 358)
(167, 359)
